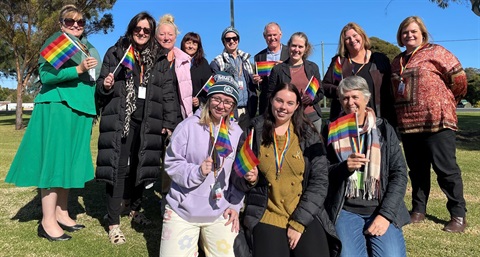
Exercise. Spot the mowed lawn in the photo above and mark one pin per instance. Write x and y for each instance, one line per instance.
(20, 209)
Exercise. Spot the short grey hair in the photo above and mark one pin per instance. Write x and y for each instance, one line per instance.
(353, 83)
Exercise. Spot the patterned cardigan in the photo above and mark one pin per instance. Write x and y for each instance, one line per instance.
(434, 82)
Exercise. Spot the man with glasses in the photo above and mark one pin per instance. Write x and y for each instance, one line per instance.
(237, 63)
(275, 52)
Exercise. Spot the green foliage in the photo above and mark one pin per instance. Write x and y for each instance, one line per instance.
(473, 90)
(382, 46)
(445, 3)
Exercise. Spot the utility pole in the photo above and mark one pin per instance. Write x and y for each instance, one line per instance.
(323, 74)
(232, 16)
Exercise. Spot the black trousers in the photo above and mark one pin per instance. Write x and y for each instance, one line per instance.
(423, 150)
(272, 241)
(125, 188)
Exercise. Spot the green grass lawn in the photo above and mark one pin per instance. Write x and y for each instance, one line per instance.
(20, 210)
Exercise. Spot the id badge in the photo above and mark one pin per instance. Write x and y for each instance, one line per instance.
(216, 191)
(142, 92)
(92, 74)
(240, 84)
(401, 88)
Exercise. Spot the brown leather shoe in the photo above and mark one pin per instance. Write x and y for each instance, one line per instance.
(417, 217)
(456, 225)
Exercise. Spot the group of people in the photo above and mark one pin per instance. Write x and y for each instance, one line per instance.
(308, 196)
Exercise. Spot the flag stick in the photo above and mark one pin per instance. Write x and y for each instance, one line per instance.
(123, 58)
(204, 85)
(75, 43)
(216, 137)
(308, 84)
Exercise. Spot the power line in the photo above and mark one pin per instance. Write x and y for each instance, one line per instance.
(435, 41)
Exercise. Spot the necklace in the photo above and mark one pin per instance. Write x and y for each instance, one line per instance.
(361, 67)
(296, 68)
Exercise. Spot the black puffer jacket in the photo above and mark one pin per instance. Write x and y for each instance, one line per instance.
(393, 181)
(160, 112)
(315, 184)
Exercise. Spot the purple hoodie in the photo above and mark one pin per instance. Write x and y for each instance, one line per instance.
(190, 194)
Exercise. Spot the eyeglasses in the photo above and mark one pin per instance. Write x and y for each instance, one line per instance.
(70, 22)
(228, 39)
(146, 31)
(217, 101)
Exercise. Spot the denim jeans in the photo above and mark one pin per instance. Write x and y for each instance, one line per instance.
(350, 227)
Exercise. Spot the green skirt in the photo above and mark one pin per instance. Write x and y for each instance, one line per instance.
(55, 150)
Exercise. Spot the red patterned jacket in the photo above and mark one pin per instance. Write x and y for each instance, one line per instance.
(433, 83)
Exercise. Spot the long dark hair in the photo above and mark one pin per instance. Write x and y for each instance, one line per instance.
(195, 38)
(299, 120)
(133, 23)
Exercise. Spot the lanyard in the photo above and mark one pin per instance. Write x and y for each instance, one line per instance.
(403, 68)
(280, 157)
(139, 61)
(361, 67)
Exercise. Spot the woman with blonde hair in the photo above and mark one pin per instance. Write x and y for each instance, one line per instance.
(55, 151)
(354, 58)
(428, 82)
(201, 202)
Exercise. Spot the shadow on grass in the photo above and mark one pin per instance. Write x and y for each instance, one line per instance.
(11, 118)
(436, 219)
(94, 205)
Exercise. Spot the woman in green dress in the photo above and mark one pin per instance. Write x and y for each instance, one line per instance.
(54, 154)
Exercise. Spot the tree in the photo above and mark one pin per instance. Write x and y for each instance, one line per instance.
(26, 24)
(473, 89)
(445, 3)
(379, 45)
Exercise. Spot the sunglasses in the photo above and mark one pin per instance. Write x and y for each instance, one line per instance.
(70, 22)
(146, 31)
(228, 39)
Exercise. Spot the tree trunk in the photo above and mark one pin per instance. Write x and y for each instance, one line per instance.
(18, 114)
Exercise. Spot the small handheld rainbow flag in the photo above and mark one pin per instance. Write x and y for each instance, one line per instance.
(207, 85)
(231, 116)
(59, 51)
(312, 88)
(337, 69)
(345, 126)
(245, 159)
(129, 58)
(264, 68)
(222, 143)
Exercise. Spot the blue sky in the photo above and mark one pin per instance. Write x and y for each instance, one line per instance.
(457, 28)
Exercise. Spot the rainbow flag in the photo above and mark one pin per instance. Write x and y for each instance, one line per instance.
(345, 126)
(208, 84)
(222, 144)
(231, 116)
(337, 69)
(312, 88)
(264, 68)
(245, 159)
(59, 51)
(129, 58)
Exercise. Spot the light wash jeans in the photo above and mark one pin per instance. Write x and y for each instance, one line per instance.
(350, 227)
